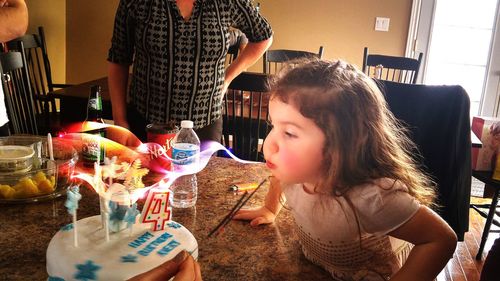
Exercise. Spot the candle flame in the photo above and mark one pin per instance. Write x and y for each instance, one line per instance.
(152, 155)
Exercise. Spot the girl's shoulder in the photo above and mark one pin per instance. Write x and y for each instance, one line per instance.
(378, 187)
(382, 205)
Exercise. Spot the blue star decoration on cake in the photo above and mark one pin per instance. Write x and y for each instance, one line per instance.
(52, 278)
(131, 214)
(116, 216)
(129, 258)
(174, 225)
(87, 271)
(67, 227)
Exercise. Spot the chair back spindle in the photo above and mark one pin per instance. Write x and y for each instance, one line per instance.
(18, 97)
(245, 115)
(274, 60)
(391, 68)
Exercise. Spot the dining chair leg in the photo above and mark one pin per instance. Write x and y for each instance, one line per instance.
(487, 224)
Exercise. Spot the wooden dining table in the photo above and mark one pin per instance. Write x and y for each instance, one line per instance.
(240, 252)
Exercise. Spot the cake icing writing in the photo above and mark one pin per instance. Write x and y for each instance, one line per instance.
(141, 240)
(168, 248)
(154, 244)
(174, 225)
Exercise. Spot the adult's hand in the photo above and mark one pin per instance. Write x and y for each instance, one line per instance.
(182, 267)
(13, 19)
(122, 136)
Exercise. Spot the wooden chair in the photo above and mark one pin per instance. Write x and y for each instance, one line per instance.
(39, 71)
(274, 60)
(438, 122)
(232, 54)
(17, 91)
(38, 60)
(486, 177)
(245, 115)
(390, 68)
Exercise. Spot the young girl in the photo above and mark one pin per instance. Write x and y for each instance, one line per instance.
(342, 163)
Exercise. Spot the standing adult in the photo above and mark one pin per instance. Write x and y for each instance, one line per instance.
(178, 49)
(13, 23)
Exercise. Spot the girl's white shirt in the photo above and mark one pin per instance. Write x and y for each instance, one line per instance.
(3, 110)
(329, 228)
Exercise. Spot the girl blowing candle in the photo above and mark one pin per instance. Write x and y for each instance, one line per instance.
(343, 165)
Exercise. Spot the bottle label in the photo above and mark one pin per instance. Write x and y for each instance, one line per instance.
(92, 149)
(185, 153)
(95, 104)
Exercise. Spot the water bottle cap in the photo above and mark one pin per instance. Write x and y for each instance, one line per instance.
(187, 124)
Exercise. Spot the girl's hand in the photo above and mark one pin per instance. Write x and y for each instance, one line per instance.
(256, 216)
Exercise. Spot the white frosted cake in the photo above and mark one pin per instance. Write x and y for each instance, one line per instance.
(126, 254)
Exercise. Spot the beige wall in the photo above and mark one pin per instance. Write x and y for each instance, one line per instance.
(343, 27)
(89, 30)
(51, 14)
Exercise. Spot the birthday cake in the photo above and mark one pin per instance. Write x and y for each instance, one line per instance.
(116, 245)
(127, 253)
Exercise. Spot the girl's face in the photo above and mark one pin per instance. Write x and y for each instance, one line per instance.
(294, 148)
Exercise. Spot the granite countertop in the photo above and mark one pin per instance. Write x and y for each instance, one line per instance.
(240, 252)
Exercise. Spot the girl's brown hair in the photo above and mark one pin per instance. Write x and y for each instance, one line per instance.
(364, 141)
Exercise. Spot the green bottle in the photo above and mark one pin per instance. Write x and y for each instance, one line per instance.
(93, 148)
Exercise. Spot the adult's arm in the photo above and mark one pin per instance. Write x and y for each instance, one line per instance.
(250, 54)
(120, 58)
(258, 32)
(118, 82)
(13, 19)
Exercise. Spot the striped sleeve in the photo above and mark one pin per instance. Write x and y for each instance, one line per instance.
(247, 19)
(122, 42)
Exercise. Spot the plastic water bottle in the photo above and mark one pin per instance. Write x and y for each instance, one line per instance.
(185, 155)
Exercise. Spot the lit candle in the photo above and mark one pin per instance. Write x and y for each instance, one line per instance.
(156, 209)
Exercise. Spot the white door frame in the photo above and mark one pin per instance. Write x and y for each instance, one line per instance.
(419, 38)
(420, 32)
(489, 105)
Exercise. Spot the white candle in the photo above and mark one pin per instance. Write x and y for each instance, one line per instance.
(50, 147)
(75, 231)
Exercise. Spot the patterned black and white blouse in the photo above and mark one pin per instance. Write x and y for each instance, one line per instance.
(178, 70)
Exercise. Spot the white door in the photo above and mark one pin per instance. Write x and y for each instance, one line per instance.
(491, 101)
(457, 38)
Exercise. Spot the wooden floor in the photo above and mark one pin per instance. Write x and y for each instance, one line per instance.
(464, 266)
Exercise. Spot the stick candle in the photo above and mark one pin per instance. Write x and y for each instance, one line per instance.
(73, 196)
(50, 146)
